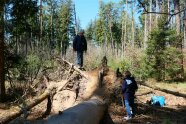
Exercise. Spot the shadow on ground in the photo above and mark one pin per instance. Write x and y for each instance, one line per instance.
(147, 114)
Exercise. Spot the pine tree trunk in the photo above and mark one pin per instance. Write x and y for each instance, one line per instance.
(150, 23)
(41, 24)
(111, 35)
(27, 40)
(184, 46)
(145, 32)
(133, 24)
(178, 20)
(30, 40)
(178, 31)
(105, 44)
(157, 10)
(51, 28)
(125, 31)
(168, 7)
(16, 40)
(2, 73)
(75, 20)
(122, 36)
(163, 6)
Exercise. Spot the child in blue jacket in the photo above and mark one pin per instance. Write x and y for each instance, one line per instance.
(129, 87)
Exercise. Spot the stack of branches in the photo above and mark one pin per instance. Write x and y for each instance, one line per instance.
(88, 99)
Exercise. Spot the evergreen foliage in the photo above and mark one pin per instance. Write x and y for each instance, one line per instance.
(162, 61)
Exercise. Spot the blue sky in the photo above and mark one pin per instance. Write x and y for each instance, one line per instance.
(87, 10)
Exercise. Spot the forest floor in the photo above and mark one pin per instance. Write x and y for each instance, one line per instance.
(172, 113)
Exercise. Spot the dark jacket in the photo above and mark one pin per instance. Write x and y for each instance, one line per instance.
(129, 87)
(80, 43)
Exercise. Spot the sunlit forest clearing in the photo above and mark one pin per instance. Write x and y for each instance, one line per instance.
(40, 78)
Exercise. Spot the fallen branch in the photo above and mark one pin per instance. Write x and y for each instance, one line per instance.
(146, 93)
(68, 75)
(16, 112)
(62, 87)
(75, 68)
(87, 112)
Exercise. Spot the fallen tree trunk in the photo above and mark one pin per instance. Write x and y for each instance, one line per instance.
(16, 112)
(163, 90)
(88, 112)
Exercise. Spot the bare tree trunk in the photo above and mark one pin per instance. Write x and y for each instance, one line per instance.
(111, 36)
(51, 21)
(125, 31)
(17, 45)
(105, 44)
(20, 46)
(150, 23)
(52, 28)
(184, 46)
(184, 28)
(145, 32)
(163, 6)
(178, 20)
(41, 24)
(168, 7)
(122, 36)
(178, 31)
(157, 9)
(31, 40)
(133, 23)
(76, 31)
(2, 71)
(27, 40)
(122, 32)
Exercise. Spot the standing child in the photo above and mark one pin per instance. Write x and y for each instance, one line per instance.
(129, 87)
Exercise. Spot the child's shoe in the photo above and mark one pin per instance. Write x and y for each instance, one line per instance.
(127, 118)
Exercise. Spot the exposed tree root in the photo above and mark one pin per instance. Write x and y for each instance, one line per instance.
(90, 99)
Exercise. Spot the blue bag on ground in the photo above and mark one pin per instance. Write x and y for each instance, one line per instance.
(158, 100)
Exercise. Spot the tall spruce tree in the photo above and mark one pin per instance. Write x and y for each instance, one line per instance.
(162, 55)
(65, 25)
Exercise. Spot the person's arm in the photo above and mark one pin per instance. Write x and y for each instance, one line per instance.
(85, 44)
(134, 84)
(123, 86)
(74, 43)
